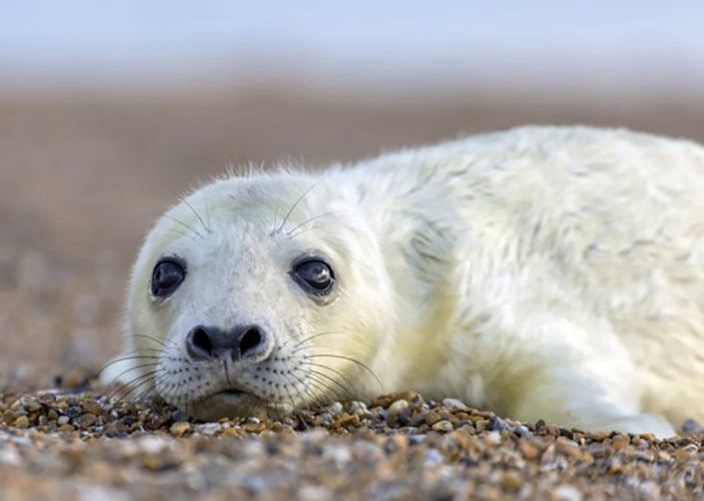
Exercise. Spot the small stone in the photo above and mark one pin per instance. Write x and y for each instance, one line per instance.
(453, 403)
(619, 442)
(346, 420)
(686, 452)
(433, 457)
(691, 426)
(152, 462)
(357, 407)
(86, 420)
(433, 417)
(511, 481)
(334, 409)
(32, 405)
(567, 447)
(443, 426)
(492, 438)
(418, 418)
(180, 428)
(208, 428)
(62, 420)
(93, 407)
(497, 424)
(567, 493)
(9, 417)
(521, 429)
(598, 436)
(21, 422)
(397, 407)
(529, 450)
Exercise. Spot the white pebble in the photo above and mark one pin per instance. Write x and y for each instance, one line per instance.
(453, 403)
(397, 407)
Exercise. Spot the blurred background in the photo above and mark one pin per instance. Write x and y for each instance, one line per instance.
(109, 110)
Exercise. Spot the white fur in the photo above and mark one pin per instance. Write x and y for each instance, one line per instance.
(553, 273)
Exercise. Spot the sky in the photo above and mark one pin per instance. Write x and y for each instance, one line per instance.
(114, 40)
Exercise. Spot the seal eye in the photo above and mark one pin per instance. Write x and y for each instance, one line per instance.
(166, 277)
(315, 276)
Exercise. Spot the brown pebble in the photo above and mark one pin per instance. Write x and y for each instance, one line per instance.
(619, 442)
(346, 420)
(386, 400)
(9, 417)
(443, 426)
(180, 428)
(598, 436)
(32, 406)
(567, 447)
(511, 481)
(85, 420)
(529, 450)
(152, 462)
(253, 427)
(683, 453)
(93, 407)
(21, 422)
(434, 416)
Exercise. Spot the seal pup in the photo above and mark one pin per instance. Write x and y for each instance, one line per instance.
(543, 273)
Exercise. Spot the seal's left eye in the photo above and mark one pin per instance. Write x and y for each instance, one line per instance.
(166, 277)
(315, 276)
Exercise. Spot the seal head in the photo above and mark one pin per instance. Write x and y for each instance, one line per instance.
(241, 304)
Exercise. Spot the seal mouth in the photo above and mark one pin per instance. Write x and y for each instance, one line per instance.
(231, 392)
(226, 403)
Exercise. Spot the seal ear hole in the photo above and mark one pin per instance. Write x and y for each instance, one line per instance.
(166, 277)
(314, 275)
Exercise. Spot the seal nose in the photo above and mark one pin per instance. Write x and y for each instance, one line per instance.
(240, 343)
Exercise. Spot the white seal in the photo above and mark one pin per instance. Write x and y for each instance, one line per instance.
(543, 273)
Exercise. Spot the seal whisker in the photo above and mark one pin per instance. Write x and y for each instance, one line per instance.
(133, 385)
(130, 369)
(295, 204)
(129, 357)
(346, 391)
(180, 233)
(191, 229)
(294, 407)
(197, 214)
(165, 381)
(349, 359)
(290, 234)
(315, 377)
(326, 388)
(334, 371)
(305, 340)
(160, 342)
(303, 387)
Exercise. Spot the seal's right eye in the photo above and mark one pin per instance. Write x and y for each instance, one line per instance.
(315, 276)
(166, 277)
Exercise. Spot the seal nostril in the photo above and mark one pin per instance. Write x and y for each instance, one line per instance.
(199, 343)
(251, 341)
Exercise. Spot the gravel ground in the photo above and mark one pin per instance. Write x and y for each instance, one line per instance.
(55, 445)
(82, 177)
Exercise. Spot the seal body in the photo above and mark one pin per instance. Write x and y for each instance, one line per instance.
(543, 273)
